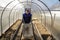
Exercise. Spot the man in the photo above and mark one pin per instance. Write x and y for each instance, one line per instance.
(27, 27)
(27, 16)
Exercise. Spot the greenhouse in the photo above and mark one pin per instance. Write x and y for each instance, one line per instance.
(45, 19)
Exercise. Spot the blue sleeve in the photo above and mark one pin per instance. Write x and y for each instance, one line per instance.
(23, 18)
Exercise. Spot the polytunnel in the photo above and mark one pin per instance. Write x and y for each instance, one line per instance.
(45, 19)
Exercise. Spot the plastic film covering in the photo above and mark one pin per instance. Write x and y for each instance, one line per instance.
(49, 18)
(45, 15)
(53, 24)
(1, 8)
(35, 12)
(56, 23)
(5, 17)
(15, 14)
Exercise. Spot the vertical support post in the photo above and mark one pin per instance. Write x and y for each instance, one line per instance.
(54, 19)
(45, 20)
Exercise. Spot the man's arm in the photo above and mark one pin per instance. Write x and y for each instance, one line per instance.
(31, 17)
(23, 19)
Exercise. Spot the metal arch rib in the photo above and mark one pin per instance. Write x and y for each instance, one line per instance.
(2, 15)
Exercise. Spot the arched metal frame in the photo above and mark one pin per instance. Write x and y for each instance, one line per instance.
(41, 9)
(13, 16)
(13, 1)
(34, 11)
(11, 12)
(2, 14)
(34, 3)
(49, 12)
(14, 7)
(38, 10)
(41, 12)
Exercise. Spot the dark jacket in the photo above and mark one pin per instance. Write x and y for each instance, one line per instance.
(27, 18)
